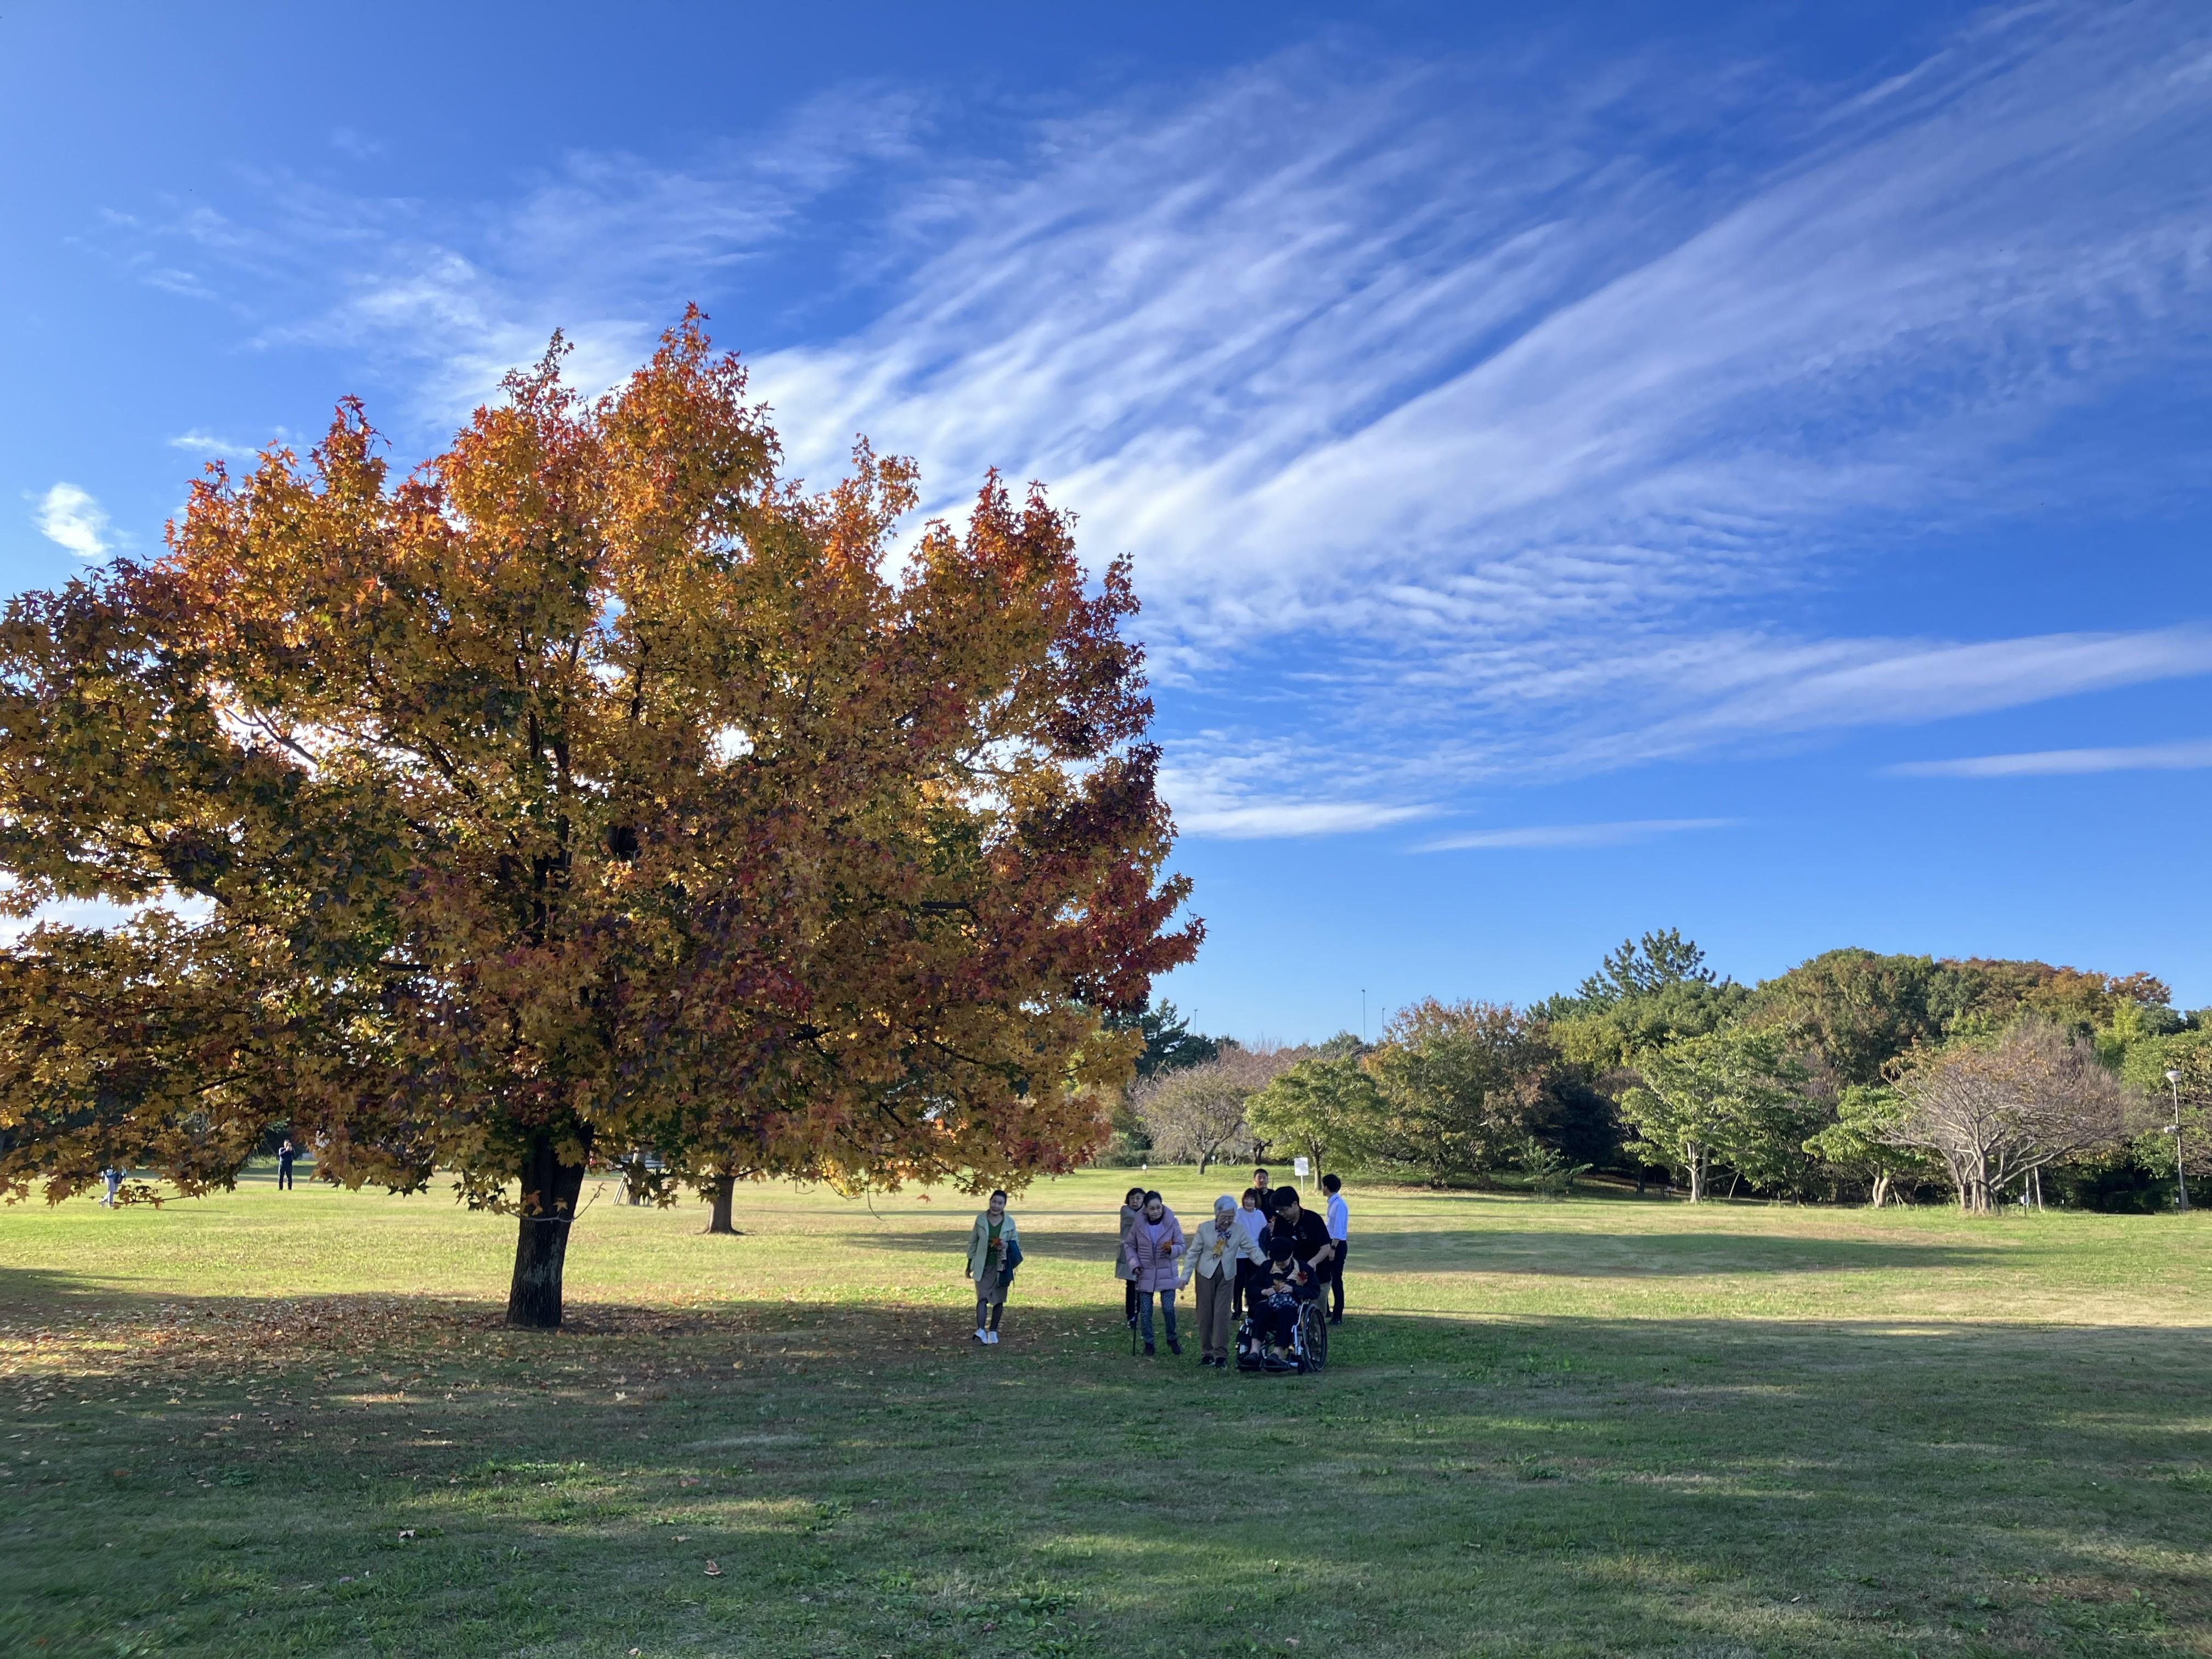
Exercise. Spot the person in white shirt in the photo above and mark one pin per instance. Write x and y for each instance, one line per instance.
(1252, 1217)
(1340, 1228)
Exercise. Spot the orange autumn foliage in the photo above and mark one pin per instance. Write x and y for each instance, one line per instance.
(594, 788)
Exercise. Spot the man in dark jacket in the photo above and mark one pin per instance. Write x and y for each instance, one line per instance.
(1297, 1242)
(1297, 1231)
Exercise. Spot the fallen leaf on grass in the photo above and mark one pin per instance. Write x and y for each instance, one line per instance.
(714, 1571)
(407, 1534)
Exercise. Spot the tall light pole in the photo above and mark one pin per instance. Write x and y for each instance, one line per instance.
(2174, 1081)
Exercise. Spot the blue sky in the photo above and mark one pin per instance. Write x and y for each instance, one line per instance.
(1589, 468)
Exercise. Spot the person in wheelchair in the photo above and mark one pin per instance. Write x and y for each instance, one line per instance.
(1297, 1245)
(1273, 1322)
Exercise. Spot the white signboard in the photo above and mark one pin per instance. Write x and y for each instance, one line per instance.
(1299, 1165)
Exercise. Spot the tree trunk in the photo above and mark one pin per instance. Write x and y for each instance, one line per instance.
(1697, 1163)
(549, 1191)
(1979, 1201)
(1880, 1190)
(722, 1195)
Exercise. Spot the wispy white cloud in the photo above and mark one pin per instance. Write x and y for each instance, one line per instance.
(197, 442)
(1729, 686)
(1465, 420)
(1228, 788)
(1326, 358)
(1573, 834)
(69, 516)
(444, 298)
(1278, 820)
(2065, 763)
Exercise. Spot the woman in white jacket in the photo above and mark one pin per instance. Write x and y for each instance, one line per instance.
(1215, 1249)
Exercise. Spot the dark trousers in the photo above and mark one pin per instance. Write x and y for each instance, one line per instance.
(1129, 1300)
(1336, 1280)
(284, 1173)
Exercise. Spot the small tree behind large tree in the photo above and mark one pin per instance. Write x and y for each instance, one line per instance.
(592, 789)
(1198, 1111)
(1998, 1109)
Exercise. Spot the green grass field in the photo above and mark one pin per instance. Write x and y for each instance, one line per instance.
(279, 1422)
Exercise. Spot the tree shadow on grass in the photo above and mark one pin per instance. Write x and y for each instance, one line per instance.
(1514, 1487)
(1575, 1254)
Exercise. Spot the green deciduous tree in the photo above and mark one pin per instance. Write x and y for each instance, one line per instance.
(1327, 1107)
(1861, 1145)
(1461, 1084)
(2173, 1118)
(1607, 1037)
(1734, 1096)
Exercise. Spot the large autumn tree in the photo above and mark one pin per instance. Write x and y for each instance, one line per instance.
(594, 788)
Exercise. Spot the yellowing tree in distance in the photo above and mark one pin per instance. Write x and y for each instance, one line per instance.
(593, 788)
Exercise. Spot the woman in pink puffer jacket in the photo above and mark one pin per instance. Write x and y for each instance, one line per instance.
(1153, 1251)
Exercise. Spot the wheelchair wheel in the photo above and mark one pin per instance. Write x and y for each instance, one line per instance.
(1313, 1336)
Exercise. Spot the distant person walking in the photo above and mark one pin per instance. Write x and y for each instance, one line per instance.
(284, 1164)
(1340, 1231)
(1156, 1243)
(113, 1177)
(994, 1250)
(1132, 1208)
(1220, 1251)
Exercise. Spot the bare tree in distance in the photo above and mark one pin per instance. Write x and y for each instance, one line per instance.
(1997, 1112)
(1198, 1111)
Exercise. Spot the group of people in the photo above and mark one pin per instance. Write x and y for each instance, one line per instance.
(1260, 1257)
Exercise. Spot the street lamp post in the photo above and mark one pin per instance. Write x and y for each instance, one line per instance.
(2174, 1081)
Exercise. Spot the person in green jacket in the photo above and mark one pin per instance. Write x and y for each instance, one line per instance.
(993, 1251)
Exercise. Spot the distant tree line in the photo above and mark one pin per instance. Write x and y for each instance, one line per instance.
(1854, 1077)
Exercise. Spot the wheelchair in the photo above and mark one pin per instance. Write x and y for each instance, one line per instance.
(1309, 1348)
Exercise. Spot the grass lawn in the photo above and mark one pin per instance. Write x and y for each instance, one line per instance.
(289, 1423)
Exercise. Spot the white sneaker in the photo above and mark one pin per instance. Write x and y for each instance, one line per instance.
(982, 1336)
(991, 1336)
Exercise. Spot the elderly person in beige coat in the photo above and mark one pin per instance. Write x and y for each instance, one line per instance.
(1214, 1251)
